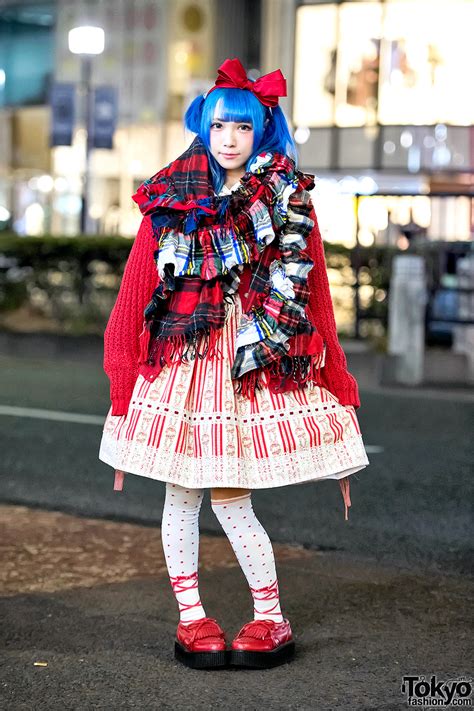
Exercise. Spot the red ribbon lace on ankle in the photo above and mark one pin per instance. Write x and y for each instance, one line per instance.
(178, 587)
(269, 592)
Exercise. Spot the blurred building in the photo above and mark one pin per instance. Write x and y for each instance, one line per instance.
(380, 101)
(381, 105)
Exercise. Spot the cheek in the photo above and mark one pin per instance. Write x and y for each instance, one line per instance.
(214, 143)
(247, 141)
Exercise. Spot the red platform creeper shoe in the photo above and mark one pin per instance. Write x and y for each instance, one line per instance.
(201, 644)
(262, 644)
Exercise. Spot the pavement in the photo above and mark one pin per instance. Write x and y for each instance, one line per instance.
(88, 613)
(91, 620)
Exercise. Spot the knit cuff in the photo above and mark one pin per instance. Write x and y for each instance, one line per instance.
(344, 387)
(120, 407)
(349, 396)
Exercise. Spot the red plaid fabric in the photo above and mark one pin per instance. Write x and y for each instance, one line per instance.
(203, 242)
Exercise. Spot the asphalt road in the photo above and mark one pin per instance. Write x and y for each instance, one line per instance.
(359, 628)
(412, 505)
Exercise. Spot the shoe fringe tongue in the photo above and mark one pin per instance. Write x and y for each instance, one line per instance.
(257, 631)
(206, 631)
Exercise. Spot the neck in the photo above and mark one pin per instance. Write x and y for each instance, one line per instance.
(233, 175)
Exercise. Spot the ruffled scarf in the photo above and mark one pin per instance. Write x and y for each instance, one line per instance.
(204, 241)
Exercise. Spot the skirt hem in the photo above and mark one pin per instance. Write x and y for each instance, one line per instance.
(332, 474)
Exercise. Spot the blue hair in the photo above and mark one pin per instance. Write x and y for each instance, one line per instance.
(271, 131)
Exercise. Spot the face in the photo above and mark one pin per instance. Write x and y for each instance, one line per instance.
(231, 143)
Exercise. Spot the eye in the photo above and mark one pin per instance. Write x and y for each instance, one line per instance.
(216, 124)
(246, 126)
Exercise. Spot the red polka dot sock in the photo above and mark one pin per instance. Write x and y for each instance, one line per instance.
(180, 536)
(254, 552)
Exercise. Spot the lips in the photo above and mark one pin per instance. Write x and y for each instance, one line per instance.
(229, 155)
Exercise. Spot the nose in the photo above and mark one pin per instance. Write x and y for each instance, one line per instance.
(229, 137)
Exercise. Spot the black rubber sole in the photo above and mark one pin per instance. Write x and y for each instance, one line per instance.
(263, 660)
(200, 660)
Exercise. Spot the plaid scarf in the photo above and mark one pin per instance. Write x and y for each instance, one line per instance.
(203, 242)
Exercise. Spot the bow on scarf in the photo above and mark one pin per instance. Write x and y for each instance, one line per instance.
(267, 89)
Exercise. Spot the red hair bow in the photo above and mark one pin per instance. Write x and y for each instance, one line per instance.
(267, 89)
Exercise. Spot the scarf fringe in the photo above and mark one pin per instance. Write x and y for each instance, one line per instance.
(169, 350)
(144, 343)
(249, 383)
(301, 370)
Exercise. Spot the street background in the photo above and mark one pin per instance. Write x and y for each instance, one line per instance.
(381, 106)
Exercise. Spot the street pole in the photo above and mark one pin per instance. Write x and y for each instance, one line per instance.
(356, 263)
(86, 41)
(86, 73)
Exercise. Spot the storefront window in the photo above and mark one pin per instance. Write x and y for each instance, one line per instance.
(358, 60)
(426, 52)
(315, 67)
(399, 62)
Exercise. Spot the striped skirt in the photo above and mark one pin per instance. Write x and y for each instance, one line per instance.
(190, 427)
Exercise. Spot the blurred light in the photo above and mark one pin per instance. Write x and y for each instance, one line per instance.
(414, 159)
(441, 132)
(34, 218)
(96, 211)
(135, 166)
(4, 214)
(389, 147)
(441, 156)
(429, 142)
(45, 183)
(367, 185)
(68, 204)
(302, 134)
(181, 56)
(366, 238)
(60, 185)
(402, 242)
(3, 77)
(45, 20)
(348, 184)
(86, 40)
(406, 139)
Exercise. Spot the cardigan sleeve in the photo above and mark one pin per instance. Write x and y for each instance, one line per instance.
(121, 336)
(334, 375)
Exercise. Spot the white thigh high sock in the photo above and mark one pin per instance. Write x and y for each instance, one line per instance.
(254, 552)
(180, 536)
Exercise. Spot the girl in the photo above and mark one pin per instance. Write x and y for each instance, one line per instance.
(224, 363)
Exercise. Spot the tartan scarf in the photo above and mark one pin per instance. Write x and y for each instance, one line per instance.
(203, 242)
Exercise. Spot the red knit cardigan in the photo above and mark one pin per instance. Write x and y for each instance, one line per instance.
(140, 278)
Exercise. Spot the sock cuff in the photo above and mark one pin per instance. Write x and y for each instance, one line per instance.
(229, 501)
